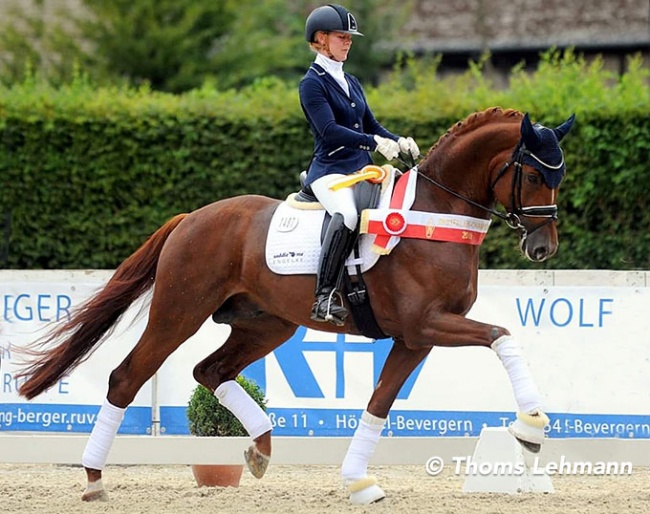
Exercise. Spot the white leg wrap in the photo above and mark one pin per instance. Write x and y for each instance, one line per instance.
(364, 442)
(526, 393)
(234, 398)
(101, 439)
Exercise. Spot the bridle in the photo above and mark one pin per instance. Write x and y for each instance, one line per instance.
(516, 211)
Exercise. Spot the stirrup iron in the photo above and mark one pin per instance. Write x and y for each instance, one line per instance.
(330, 301)
(317, 313)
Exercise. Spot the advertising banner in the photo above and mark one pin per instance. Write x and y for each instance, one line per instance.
(587, 347)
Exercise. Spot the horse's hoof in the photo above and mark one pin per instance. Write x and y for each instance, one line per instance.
(528, 429)
(256, 461)
(95, 496)
(95, 492)
(365, 491)
(531, 447)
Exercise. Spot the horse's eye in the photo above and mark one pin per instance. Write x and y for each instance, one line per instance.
(532, 178)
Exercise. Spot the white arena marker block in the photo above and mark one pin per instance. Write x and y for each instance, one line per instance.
(501, 465)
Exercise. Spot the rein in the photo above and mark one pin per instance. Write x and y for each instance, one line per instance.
(512, 217)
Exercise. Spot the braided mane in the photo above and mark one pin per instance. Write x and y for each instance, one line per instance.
(474, 119)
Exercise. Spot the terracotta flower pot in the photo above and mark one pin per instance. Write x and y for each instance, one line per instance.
(217, 475)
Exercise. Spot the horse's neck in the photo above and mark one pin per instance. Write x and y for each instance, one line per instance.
(466, 166)
(471, 186)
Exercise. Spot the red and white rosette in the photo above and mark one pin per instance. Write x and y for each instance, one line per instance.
(394, 223)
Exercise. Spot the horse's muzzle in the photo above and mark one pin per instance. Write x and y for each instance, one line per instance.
(540, 244)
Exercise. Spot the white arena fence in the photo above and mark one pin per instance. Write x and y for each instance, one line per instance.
(585, 334)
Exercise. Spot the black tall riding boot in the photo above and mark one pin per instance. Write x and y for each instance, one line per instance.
(336, 247)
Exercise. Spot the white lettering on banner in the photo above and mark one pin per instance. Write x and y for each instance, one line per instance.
(563, 312)
(403, 423)
(349, 421)
(439, 426)
(573, 426)
(296, 420)
(277, 421)
(45, 419)
(611, 429)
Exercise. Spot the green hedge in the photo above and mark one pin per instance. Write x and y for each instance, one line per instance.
(89, 173)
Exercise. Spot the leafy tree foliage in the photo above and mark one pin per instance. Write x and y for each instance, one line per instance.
(268, 39)
(23, 40)
(265, 39)
(380, 21)
(178, 45)
(164, 43)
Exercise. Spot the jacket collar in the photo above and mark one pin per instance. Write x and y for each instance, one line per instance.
(318, 69)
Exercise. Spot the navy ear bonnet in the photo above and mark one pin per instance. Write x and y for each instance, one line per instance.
(542, 149)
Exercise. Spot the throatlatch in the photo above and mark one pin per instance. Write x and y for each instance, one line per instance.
(336, 247)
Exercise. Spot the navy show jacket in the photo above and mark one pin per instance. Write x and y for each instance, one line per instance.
(343, 126)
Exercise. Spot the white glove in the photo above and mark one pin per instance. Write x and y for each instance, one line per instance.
(387, 147)
(408, 145)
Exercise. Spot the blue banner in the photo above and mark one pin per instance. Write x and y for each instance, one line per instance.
(406, 423)
(37, 417)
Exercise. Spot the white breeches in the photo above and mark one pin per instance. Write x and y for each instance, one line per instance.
(341, 200)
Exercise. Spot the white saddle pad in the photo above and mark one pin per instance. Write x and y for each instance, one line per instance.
(293, 242)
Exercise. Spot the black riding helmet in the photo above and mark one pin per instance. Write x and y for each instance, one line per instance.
(330, 18)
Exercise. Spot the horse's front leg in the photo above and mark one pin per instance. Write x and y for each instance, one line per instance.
(452, 330)
(249, 340)
(398, 366)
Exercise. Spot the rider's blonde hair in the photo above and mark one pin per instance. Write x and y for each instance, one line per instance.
(318, 47)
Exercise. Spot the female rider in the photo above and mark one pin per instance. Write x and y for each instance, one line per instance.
(345, 132)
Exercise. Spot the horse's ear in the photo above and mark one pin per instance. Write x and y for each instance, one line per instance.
(528, 134)
(563, 129)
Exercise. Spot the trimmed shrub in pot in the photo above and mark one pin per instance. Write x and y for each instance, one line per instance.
(208, 418)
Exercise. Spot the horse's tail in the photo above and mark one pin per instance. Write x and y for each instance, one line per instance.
(94, 319)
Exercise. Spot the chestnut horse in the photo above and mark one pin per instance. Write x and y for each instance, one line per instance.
(213, 261)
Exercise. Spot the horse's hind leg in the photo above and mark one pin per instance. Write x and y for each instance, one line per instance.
(250, 340)
(162, 336)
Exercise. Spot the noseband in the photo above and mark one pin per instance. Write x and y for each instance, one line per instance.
(516, 211)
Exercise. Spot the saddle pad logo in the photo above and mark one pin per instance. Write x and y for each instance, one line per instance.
(287, 223)
(288, 257)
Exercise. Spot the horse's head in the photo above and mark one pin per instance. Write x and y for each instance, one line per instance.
(536, 169)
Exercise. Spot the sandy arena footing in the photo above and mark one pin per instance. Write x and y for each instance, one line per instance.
(54, 489)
